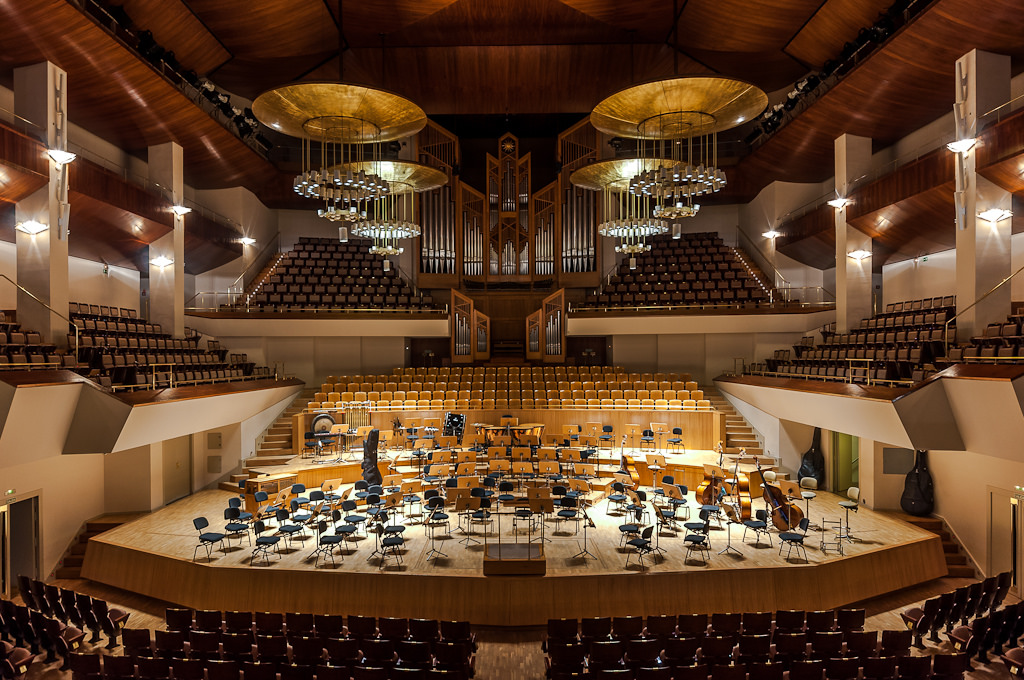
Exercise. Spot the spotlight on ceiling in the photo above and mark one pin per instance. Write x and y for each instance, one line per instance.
(60, 156)
(31, 227)
(962, 145)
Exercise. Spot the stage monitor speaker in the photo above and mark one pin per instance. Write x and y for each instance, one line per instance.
(370, 472)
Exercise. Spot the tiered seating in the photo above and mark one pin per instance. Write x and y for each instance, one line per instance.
(1000, 343)
(697, 269)
(119, 350)
(819, 644)
(24, 349)
(293, 645)
(53, 620)
(323, 274)
(901, 346)
(589, 387)
(972, 620)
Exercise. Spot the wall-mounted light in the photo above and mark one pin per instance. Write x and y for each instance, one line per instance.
(180, 210)
(247, 241)
(771, 233)
(60, 156)
(161, 261)
(962, 145)
(31, 227)
(994, 215)
(859, 254)
(839, 203)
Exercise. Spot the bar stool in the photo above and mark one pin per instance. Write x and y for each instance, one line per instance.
(853, 494)
(806, 486)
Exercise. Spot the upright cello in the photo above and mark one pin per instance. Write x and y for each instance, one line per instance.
(785, 515)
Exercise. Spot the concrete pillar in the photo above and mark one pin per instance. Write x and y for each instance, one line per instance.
(40, 96)
(853, 277)
(982, 246)
(167, 282)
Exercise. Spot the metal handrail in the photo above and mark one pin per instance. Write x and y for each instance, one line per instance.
(776, 274)
(945, 326)
(34, 297)
(331, 310)
(576, 307)
(260, 260)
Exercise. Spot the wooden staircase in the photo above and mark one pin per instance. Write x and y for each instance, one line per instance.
(276, 447)
(753, 269)
(956, 560)
(738, 432)
(70, 566)
(267, 270)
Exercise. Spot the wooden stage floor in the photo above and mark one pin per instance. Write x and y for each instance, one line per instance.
(152, 556)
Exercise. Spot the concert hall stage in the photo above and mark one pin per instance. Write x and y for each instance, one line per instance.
(152, 556)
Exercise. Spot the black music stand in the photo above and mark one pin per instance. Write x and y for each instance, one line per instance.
(584, 553)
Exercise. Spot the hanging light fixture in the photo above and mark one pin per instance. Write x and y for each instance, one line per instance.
(676, 122)
(342, 129)
(627, 215)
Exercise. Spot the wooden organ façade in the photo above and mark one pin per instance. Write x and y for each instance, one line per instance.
(508, 233)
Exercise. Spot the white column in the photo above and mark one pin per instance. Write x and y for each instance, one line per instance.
(167, 282)
(853, 277)
(982, 246)
(40, 96)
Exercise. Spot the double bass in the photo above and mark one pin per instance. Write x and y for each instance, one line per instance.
(785, 515)
(710, 490)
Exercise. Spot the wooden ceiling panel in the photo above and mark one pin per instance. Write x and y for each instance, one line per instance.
(173, 23)
(481, 80)
(919, 225)
(743, 26)
(837, 22)
(524, 22)
(770, 70)
(893, 92)
(383, 16)
(116, 96)
(102, 233)
(17, 183)
(269, 28)
(650, 20)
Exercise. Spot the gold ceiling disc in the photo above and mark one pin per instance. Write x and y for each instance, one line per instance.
(613, 175)
(339, 112)
(676, 108)
(403, 176)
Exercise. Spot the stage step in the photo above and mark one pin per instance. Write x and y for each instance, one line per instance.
(956, 560)
(70, 566)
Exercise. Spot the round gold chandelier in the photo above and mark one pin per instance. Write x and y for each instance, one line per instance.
(676, 122)
(629, 217)
(342, 128)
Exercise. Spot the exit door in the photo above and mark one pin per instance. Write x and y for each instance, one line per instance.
(19, 543)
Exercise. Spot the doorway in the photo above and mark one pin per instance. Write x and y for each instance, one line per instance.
(845, 462)
(1004, 544)
(19, 542)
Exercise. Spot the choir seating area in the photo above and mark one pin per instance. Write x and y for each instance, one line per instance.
(121, 351)
(903, 345)
(694, 270)
(590, 387)
(323, 274)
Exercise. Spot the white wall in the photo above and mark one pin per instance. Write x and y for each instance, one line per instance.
(88, 283)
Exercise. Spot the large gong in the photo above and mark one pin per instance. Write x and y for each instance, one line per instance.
(322, 423)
